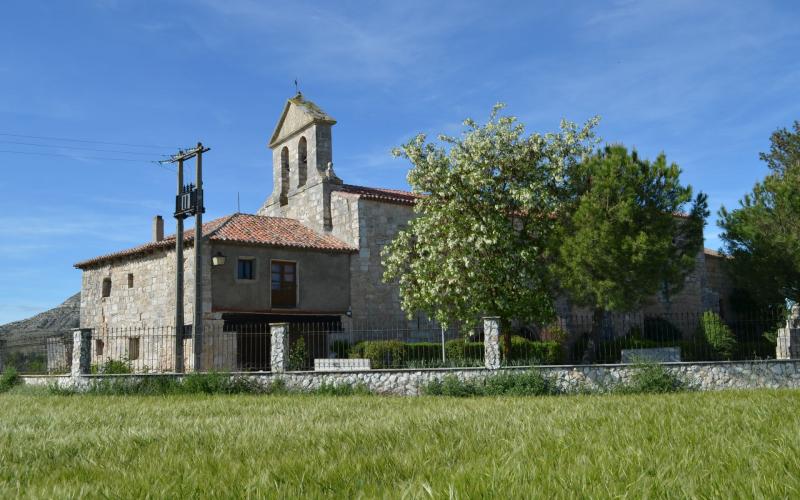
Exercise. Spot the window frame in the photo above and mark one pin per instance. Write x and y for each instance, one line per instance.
(296, 283)
(255, 267)
(105, 292)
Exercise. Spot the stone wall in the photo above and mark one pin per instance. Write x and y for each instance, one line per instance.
(701, 376)
(378, 224)
(151, 299)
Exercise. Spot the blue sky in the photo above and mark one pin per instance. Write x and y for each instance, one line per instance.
(705, 82)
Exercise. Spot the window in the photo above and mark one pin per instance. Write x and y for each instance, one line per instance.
(106, 287)
(99, 346)
(133, 348)
(284, 199)
(302, 162)
(246, 269)
(130, 280)
(284, 284)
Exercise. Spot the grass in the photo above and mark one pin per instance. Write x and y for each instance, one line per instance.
(691, 444)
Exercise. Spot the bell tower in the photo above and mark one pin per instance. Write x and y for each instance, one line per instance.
(302, 165)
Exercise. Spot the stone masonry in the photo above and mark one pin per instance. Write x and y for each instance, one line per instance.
(700, 376)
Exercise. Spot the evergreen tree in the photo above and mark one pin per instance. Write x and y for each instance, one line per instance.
(623, 236)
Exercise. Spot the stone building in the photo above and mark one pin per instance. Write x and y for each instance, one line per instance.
(311, 252)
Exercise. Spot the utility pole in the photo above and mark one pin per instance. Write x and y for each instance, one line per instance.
(179, 276)
(197, 337)
(188, 202)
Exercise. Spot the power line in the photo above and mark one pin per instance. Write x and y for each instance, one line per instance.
(64, 146)
(42, 153)
(84, 141)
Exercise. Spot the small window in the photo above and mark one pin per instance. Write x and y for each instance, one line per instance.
(106, 287)
(246, 269)
(133, 348)
(99, 346)
(130, 280)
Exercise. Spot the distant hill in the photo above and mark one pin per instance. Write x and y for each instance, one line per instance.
(51, 322)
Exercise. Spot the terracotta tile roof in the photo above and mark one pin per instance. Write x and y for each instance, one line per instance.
(240, 228)
(382, 194)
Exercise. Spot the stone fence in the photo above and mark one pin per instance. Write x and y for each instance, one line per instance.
(578, 378)
(784, 373)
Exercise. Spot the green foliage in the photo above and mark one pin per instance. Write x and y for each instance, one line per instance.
(527, 383)
(381, 353)
(193, 383)
(763, 233)
(9, 378)
(651, 378)
(717, 335)
(113, 367)
(617, 446)
(326, 389)
(479, 242)
(298, 356)
(463, 349)
(621, 241)
(341, 348)
(27, 362)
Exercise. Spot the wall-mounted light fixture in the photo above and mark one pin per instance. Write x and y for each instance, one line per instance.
(218, 259)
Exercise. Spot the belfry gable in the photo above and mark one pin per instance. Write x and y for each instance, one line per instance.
(298, 114)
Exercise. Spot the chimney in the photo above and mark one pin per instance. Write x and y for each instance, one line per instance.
(158, 228)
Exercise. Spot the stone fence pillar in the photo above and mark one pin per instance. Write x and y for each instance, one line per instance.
(491, 343)
(788, 341)
(81, 351)
(279, 346)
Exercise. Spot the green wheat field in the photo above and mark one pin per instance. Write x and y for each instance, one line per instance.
(725, 444)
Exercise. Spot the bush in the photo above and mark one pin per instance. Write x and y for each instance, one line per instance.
(717, 335)
(113, 367)
(651, 378)
(422, 351)
(528, 383)
(660, 330)
(9, 379)
(298, 356)
(461, 349)
(547, 352)
(381, 353)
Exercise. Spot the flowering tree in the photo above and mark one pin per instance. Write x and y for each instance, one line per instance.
(480, 243)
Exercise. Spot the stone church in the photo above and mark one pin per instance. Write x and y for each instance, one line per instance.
(312, 252)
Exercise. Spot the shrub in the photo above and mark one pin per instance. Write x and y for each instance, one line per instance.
(451, 385)
(9, 379)
(536, 352)
(717, 335)
(660, 330)
(463, 349)
(422, 351)
(527, 383)
(381, 353)
(651, 378)
(298, 356)
(113, 367)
